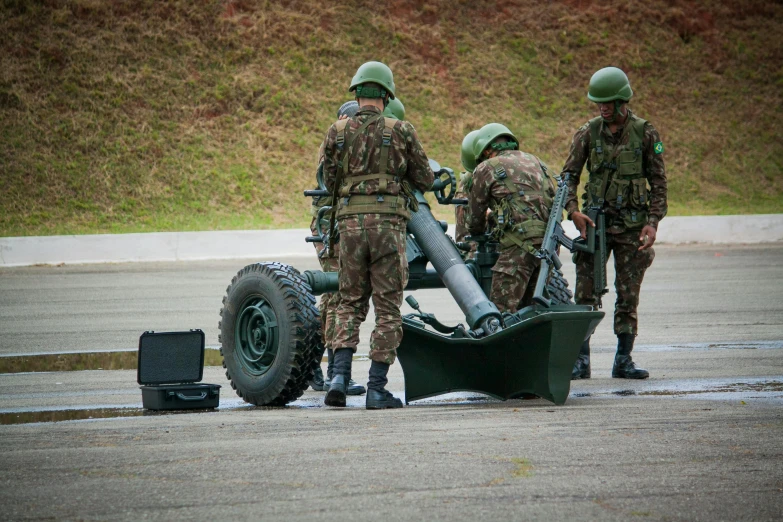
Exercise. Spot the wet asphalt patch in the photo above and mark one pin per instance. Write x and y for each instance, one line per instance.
(745, 390)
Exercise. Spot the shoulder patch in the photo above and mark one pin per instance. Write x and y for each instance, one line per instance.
(658, 147)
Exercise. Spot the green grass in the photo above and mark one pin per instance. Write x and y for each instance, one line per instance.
(134, 116)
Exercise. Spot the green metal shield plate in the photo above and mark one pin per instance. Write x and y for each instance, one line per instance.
(534, 356)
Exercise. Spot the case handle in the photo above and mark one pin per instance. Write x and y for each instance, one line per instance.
(183, 397)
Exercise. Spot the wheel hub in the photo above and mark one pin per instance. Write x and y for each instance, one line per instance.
(256, 336)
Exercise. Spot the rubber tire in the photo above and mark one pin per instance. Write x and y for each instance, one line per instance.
(557, 288)
(298, 320)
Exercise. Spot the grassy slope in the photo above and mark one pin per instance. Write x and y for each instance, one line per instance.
(189, 115)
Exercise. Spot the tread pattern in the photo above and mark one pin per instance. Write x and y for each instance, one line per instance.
(557, 288)
(301, 320)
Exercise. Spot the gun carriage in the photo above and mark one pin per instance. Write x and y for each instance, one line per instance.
(270, 326)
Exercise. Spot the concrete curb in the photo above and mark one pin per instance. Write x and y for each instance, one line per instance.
(270, 244)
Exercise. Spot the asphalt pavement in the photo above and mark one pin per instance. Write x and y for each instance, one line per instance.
(691, 294)
(700, 440)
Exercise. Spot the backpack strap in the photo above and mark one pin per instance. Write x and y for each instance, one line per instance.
(388, 125)
(340, 126)
(342, 164)
(371, 204)
(500, 175)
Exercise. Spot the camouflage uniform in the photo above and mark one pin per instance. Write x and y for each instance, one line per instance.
(329, 301)
(516, 186)
(461, 212)
(462, 215)
(372, 215)
(628, 206)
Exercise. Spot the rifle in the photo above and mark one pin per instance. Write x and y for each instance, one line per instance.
(555, 235)
(595, 244)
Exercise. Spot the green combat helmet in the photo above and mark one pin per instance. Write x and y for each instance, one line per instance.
(373, 72)
(466, 152)
(395, 109)
(609, 84)
(489, 133)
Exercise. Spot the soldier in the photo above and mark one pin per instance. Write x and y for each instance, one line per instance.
(516, 186)
(624, 154)
(370, 164)
(395, 109)
(329, 302)
(465, 184)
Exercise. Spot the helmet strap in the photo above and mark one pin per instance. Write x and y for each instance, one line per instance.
(370, 92)
(508, 145)
(616, 112)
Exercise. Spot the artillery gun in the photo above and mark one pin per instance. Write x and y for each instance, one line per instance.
(270, 326)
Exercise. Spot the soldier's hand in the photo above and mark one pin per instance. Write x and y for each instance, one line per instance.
(646, 237)
(343, 117)
(580, 222)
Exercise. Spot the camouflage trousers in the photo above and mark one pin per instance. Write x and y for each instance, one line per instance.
(329, 302)
(510, 277)
(372, 265)
(629, 265)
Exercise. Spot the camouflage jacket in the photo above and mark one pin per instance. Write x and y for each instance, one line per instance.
(534, 188)
(652, 168)
(407, 159)
(461, 212)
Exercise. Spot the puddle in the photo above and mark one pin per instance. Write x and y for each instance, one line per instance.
(25, 416)
(73, 361)
(771, 387)
(721, 389)
(738, 391)
(688, 347)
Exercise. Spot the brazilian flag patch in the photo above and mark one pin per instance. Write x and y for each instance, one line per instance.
(658, 147)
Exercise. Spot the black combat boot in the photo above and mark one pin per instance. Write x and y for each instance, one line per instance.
(582, 365)
(317, 382)
(329, 368)
(353, 388)
(378, 397)
(624, 367)
(342, 374)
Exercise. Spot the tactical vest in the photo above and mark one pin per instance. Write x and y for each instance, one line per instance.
(510, 233)
(382, 202)
(616, 176)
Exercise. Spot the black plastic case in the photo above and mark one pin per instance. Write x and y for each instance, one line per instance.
(180, 396)
(170, 364)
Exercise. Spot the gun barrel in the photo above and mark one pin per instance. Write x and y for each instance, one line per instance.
(325, 282)
(448, 263)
